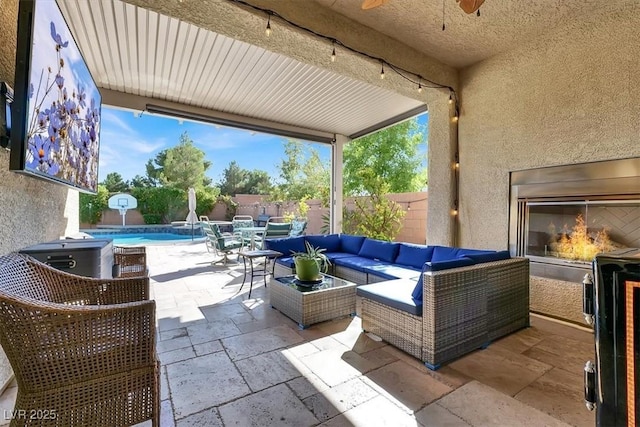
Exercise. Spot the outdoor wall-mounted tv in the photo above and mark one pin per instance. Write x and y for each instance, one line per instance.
(6, 98)
(56, 107)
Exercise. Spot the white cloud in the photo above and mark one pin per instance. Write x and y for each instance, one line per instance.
(110, 118)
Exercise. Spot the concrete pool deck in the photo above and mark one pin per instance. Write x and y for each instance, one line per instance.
(229, 360)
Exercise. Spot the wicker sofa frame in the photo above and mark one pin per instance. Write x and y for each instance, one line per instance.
(463, 309)
(82, 349)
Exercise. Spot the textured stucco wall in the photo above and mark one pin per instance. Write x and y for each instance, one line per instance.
(31, 211)
(571, 96)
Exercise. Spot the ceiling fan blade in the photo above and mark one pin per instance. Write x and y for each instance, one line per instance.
(370, 4)
(470, 6)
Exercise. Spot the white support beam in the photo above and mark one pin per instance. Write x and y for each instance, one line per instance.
(337, 165)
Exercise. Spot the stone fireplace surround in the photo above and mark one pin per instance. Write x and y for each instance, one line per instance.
(556, 288)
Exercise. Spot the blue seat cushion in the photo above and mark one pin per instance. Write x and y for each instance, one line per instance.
(351, 244)
(287, 261)
(394, 293)
(330, 242)
(337, 255)
(489, 256)
(392, 271)
(413, 255)
(438, 266)
(357, 263)
(379, 250)
(286, 245)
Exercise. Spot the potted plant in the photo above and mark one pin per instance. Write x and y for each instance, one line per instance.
(309, 264)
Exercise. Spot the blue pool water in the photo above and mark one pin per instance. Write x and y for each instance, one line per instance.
(144, 238)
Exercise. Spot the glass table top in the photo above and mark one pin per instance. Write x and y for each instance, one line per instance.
(327, 282)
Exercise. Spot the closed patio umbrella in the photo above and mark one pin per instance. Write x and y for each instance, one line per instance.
(192, 217)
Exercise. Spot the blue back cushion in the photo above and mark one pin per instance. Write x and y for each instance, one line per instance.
(489, 256)
(445, 253)
(286, 245)
(413, 255)
(438, 266)
(417, 291)
(379, 249)
(445, 265)
(330, 242)
(351, 244)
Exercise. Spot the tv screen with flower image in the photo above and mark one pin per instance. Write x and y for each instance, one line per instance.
(56, 107)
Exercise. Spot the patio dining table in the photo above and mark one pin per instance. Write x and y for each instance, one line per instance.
(253, 231)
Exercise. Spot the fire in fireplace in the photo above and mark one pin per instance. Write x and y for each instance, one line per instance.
(579, 231)
(562, 216)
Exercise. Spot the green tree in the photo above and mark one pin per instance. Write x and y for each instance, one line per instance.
(182, 166)
(392, 154)
(161, 205)
(258, 182)
(206, 199)
(139, 181)
(303, 173)
(115, 183)
(155, 168)
(375, 215)
(92, 205)
(236, 180)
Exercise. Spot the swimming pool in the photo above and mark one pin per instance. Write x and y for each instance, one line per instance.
(146, 238)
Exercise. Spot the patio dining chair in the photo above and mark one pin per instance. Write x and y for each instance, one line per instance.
(275, 228)
(242, 221)
(298, 227)
(223, 245)
(82, 349)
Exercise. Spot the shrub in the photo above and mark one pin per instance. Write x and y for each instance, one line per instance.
(92, 205)
(169, 204)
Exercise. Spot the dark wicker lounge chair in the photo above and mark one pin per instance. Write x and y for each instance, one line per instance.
(131, 261)
(82, 349)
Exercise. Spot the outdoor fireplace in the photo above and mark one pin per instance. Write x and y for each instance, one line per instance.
(561, 217)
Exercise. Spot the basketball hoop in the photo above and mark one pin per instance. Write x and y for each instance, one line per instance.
(122, 202)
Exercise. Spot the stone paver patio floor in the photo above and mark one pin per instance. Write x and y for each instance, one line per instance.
(232, 361)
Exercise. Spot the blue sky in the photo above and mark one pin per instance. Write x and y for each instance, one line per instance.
(127, 142)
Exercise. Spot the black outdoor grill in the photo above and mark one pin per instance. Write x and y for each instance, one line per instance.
(612, 305)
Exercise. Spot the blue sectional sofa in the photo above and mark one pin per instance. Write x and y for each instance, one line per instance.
(434, 302)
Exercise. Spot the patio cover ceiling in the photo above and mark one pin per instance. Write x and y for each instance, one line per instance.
(169, 66)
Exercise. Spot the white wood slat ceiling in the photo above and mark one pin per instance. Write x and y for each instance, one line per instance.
(140, 52)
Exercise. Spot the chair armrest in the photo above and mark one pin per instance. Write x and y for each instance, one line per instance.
(59, 344)
(63, 287)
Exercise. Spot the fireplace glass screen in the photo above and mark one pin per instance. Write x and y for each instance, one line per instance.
(577, 231)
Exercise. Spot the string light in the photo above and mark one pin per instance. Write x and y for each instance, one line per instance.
(478, 12)
(333, 53)
(382, 71)
(443, 26)
(450, 99)
(456, 163)
(420, 86)
(268, 30)
(412, 77)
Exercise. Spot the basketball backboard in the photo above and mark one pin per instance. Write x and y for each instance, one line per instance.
(122, 201)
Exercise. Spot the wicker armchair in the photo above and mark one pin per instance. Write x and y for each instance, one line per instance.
(82, 349)
(130, 261)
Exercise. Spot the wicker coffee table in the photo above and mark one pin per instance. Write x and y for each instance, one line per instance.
(331, 298)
